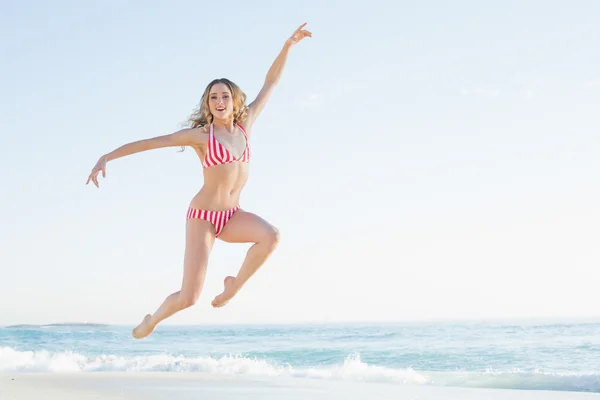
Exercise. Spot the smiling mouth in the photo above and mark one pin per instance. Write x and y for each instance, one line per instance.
(220, 108)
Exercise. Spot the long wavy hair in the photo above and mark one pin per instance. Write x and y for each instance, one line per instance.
(202, 115)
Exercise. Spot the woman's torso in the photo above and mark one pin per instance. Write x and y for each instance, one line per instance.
(225, 159)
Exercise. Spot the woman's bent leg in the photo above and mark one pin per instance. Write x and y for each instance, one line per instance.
(245, 227)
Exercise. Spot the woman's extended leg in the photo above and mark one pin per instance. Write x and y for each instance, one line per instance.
(200, 238)
(245, 227)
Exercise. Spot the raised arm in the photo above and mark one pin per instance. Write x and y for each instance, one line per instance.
(184, 137)
(273, 76)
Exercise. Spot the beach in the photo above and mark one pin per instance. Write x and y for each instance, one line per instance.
(188, 386)
(320, 361)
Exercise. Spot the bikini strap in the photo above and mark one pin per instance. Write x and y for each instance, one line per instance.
(210, 140)
(242, 128)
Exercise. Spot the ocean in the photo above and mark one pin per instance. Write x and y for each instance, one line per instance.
(525, 355)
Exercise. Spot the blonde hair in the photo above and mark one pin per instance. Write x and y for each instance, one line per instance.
(202, 116)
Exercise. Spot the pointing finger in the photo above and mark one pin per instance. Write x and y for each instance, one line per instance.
(301, 26)
(90, 178)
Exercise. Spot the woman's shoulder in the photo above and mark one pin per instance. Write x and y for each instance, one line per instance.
(199, 129)
(193, 136)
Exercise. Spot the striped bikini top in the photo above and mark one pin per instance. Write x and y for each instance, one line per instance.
(217, 154)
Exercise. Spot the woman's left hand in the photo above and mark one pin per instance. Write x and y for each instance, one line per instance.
(299, 34)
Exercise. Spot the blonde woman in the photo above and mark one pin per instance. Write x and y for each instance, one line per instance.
(220, 133)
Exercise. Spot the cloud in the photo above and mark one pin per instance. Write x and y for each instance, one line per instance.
(528, 93)
(480, 91)
(530, 88)
(313, 100)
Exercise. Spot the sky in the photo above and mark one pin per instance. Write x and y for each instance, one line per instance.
(422, 161)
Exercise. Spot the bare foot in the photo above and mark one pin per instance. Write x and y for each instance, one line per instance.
(229, 291)
(144, 328)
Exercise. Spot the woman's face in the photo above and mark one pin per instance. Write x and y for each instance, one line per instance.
(220, 101)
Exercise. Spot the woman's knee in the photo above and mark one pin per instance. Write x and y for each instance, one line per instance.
(188, 298)
(272, 236)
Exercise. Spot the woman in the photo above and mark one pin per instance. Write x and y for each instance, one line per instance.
(220, 133)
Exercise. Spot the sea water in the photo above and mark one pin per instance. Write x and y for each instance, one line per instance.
(556, 356)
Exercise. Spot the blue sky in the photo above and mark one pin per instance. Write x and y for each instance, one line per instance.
(422, 161)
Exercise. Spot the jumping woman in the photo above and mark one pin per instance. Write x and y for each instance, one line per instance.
(220, 132)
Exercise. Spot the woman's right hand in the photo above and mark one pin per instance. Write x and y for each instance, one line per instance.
(100, 166)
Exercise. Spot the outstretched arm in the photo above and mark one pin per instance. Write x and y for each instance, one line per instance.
(184, 137)
(273, 76)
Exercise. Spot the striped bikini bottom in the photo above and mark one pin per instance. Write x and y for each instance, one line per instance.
(218, 218)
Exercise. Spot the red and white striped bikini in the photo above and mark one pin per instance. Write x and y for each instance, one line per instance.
(217, 154)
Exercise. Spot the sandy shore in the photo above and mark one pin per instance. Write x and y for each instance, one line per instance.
(188, 386)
